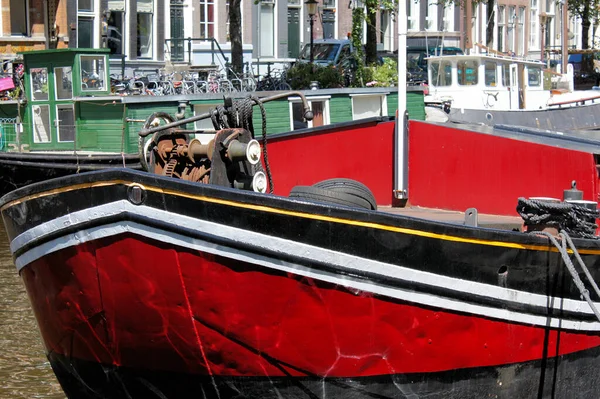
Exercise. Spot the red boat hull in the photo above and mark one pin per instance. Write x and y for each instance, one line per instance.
(139, 310)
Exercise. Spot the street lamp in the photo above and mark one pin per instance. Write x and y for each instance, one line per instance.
(543, 22)
(311, 6)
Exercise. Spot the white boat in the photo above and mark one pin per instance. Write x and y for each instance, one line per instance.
(492, 89)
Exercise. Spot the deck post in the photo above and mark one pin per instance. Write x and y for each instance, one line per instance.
(401, 140)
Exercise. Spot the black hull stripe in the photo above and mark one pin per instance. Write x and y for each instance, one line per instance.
(299, 214)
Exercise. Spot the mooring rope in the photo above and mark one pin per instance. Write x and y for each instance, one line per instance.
(239, 115)
(574, 219)
(562, 249)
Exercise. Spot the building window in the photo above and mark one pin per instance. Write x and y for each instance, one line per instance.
(85, 32)
(368, 106)
(116, 26)
(85, 5)
(18, 18)
(521, 31)
(448, 18)
(501, 28)
(267, 29)
(320, 108)
(534, 43)
(145, 15)
(207, 18)
(431, 17)
(510, 41)
(412, 11)
(85, 23)
(386, 22)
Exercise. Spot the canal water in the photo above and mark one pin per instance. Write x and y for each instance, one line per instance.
(24, 369)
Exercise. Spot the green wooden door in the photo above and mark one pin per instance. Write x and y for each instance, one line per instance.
(293, 32)
(52, 110)
(177, 53)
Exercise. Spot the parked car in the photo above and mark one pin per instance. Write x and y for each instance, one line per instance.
(586, 68)
(328, 52)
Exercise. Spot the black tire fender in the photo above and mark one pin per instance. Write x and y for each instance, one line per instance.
(349, 186)
(317, 194)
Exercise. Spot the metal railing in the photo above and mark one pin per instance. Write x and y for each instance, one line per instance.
(179, 54)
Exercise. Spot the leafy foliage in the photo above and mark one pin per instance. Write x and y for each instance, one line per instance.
(358, 16)
(385, 75)
(302, 74)
(588, 11)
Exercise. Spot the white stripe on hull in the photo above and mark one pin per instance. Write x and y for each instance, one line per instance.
(349, 265)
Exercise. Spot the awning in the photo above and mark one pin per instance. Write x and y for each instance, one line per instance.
(145, 6)
(116, 5)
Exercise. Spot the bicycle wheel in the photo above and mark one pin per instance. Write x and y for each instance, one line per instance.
(283, 86)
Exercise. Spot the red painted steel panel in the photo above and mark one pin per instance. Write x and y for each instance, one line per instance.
(131, 301)
(308, 159)
(455, 169)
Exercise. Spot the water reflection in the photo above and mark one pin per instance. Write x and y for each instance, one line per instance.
(24, 369)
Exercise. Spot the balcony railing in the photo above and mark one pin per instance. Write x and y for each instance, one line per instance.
(178, 47)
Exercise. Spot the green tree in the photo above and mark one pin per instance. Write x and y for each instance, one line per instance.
(588, 11)
(371, 47)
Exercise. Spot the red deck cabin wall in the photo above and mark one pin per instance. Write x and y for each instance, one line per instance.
(449, 168)
(307, 159)
(455, 169)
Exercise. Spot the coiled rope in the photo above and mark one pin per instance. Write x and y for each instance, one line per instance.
(238, 114)
(575, 220)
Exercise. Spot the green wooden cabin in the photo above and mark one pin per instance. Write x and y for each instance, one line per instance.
(68, 107)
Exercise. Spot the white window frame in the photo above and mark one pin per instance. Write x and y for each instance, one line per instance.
(57, 82)
(520, 50)
(388, 45)
(207, 24)
(502, 28)
(261, 48)
(431, 17)
(58, 121)
(512, 28)
(153, 24)
(383, 108)
(41, 137)
(413, 15)
(326, 115)
(93, 15)
(448, 18)
(534, 28)
(125, 29)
